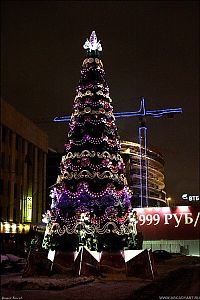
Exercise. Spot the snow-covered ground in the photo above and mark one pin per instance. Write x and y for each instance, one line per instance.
(84, 288)
(11, 258)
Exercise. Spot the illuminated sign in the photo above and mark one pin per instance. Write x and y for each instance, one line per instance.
(28, 209)
(190, 198)
(170, 223)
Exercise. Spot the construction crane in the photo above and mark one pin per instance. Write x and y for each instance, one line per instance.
(142, 113)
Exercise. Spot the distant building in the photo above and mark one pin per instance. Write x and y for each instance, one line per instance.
(24, 150)
(130, 152)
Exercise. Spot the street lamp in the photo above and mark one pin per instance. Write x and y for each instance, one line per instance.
(168, 200)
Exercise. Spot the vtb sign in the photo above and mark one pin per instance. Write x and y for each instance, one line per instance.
(190, 198)
(181, 222)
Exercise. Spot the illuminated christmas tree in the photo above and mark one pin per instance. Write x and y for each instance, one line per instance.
(90, 200)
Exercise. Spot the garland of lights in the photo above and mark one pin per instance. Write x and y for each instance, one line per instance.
(72, 225)
(89, 93)
(87, 101)
(91, 175)
(88, 110)
(92, 229)
(87, 153)
(91, 60)
(85, 162)
(107, 122)
(95, 196)
(83, 187)
(111, 143)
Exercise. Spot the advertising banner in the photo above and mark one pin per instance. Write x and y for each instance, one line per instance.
(169, 223)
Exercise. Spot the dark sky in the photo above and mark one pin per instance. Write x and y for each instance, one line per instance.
(150, 48)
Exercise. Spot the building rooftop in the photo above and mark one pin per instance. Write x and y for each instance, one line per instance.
(22, 126)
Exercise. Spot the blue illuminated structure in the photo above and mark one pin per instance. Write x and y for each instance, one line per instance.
(142, 113)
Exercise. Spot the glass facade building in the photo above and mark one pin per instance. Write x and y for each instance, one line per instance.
(130, 152)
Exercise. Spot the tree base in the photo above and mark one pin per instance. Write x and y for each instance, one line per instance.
(115, 265)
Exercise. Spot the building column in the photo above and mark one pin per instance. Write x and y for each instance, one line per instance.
(35, 186)
(24, 184)
(12, 177)
(44, 183)
(40, 186)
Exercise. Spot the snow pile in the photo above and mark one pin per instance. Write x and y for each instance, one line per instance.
(46, 283)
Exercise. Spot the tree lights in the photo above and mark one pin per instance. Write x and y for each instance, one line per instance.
(90, 198)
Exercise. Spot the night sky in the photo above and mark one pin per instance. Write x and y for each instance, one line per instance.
(150, 49)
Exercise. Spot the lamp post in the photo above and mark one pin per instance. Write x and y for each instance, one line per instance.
(168, 201)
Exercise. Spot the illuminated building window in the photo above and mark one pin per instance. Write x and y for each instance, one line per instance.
(27, 210)
(6, 227)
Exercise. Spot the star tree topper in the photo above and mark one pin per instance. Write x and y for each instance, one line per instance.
(92, 44)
